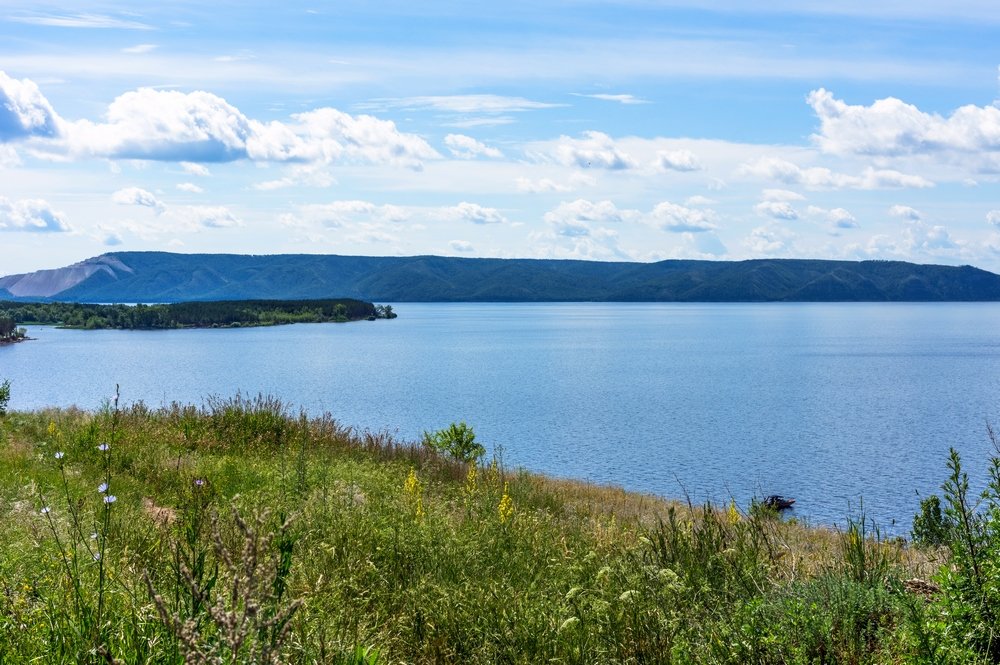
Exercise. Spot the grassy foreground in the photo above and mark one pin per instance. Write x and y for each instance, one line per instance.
(237, 533)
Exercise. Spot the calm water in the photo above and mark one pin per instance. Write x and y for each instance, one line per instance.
(828, 403)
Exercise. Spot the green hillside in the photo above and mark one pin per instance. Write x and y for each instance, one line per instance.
(165, 277)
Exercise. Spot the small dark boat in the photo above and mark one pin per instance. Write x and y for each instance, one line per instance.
(778, 502)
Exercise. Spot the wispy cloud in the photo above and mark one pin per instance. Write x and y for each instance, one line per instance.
(628, 100)
(460, 104)
(80, 21)
(140, 48)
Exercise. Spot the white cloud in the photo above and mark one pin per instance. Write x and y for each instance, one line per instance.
(676, 160)
(80, 21)
(30, 215)
(311, 175)
(195, 169)
(993, 217)
(769, 239)
(780, 195)
(817, 177)
(596, 149)
(576, 181)
(838, 217)
(167, 125)
(906, 212)
(212, 217)
(9, 157)
(475, 213)
(777, 210)
(466, 147)
(344, 213)
(140, 48)
(24, 111)
(461, 246)
(920, 237)
(138, 197)
(891, 127)
(621, 99)
(699, 200)
(574, 218)
(461, 104)
(678, 219)
(190, 187)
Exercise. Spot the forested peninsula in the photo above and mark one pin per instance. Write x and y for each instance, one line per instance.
(219, 314)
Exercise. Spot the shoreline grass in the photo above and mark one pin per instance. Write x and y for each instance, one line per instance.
(240, 532)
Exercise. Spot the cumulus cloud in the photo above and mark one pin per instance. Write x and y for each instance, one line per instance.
(24, 111)
(776, 209)
(138, 197)
(905, 212)
(838, 217)
(699, 200)
(594, 150)
(30, 215)
(190, 187)
(891, 127)
(676, 160)
(771, 238)
(212, 217)
(574, 218)
(678, 219)
(993, 217)
(196, 127)
(466, 147)
(195, 169)
(817, 177)
(475, 213)
(461, 246)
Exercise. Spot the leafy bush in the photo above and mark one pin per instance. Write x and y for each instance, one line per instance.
(931, 527)
(458, 441)
(969, 602)
(4, 396)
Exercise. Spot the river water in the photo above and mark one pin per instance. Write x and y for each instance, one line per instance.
(830, 403)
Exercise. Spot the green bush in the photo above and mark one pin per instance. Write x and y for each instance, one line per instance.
(458, 441)
(931, 527)
(4, 396)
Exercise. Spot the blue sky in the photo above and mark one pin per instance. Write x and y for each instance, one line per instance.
(633, 130)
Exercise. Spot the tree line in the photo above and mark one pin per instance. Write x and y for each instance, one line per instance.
(227, 313)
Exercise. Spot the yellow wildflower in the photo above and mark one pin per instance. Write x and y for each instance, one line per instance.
(506, 507)
(471, 480)
(732, 514)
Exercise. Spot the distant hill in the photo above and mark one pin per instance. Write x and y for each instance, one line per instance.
(164, 277)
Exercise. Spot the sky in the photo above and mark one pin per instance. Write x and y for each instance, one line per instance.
(636, 130)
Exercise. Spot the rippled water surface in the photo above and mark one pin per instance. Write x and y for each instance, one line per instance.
(828, 403)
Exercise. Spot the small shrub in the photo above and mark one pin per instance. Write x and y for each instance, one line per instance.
(4, 397)
(930, 527)
(457, 441)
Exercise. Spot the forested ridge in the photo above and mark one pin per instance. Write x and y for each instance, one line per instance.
(164, 277)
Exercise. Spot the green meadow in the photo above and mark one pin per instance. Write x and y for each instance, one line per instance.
(240, 532)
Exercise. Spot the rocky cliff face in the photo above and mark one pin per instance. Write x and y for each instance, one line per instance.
(47, 283)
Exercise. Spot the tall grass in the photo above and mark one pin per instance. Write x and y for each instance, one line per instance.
(244, 533)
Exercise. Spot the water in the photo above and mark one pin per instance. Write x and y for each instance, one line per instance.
(829, 403)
